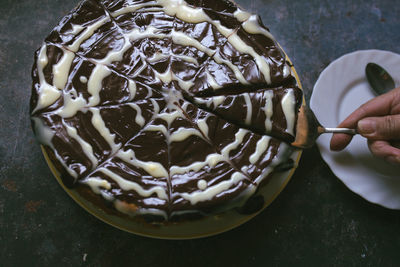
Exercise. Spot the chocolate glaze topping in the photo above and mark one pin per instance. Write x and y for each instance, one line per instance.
(164, 108)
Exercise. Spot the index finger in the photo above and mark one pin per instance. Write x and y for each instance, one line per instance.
(377, 106)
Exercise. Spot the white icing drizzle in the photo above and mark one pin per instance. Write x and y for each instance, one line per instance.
(241, 15)
(214, 101)
(132, 89)
(47, 94)
(156, 57)
(86, 147)
(268, 109)
(155, 169)
(130, 185)
(214, 190)
(168, 76)
(234, 68)
(202, 184)
(170, 117)
(107, 195)
(252, 26)
(185, 40)
(183, 133)
(213, 159)
(286, 70)
(279, 157)
(83, 79)
(187, 59)
(203, 126)
(218, 100)
(156, 107)
(141, 68)
(61, 69)
(89, 30)
(249, 108)
(288, 106)
(99, 124)
(204, 101)
(115, 55)
(43, 133)
(180, 9)
(261, 147)
(235, 144)
(95, 83)
(157, 128)
(149, 32)
(76, 28)
(242, 47)
(72, 104)
(212, 82)
(96, 184)
(185, 105)
(139, 118)
(160, 56)
(132, 8)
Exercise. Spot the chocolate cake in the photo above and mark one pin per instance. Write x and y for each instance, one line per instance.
(164, 109)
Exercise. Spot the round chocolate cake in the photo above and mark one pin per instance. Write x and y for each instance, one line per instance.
(164, 110)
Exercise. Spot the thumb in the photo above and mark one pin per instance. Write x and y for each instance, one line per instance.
(380, 128)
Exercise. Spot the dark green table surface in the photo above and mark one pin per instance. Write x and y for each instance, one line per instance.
(315, 221)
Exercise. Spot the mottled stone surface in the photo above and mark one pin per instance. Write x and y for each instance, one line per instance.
(316, 220)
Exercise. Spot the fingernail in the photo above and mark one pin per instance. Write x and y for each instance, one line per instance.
(366, 126)
(393, 159)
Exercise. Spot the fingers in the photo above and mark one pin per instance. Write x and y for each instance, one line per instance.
(385, 150)
(373, 128)
(378, 106)
(380, 128)
(340, 141)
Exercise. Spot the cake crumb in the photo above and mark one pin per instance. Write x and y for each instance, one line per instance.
(10, 185)
(32, 206)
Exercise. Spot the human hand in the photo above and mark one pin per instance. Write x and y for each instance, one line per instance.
(378, 120)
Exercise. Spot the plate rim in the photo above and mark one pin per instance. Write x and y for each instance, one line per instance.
(328, 156)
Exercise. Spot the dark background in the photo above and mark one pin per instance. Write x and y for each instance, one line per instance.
(315, 221)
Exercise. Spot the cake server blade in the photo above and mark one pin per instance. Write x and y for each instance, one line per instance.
(308, 129)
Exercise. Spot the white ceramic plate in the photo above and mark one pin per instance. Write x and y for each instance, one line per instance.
(340, 89)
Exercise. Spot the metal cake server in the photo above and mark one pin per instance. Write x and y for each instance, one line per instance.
(308, 129)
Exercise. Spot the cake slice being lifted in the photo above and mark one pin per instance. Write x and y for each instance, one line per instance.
(265, 111)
